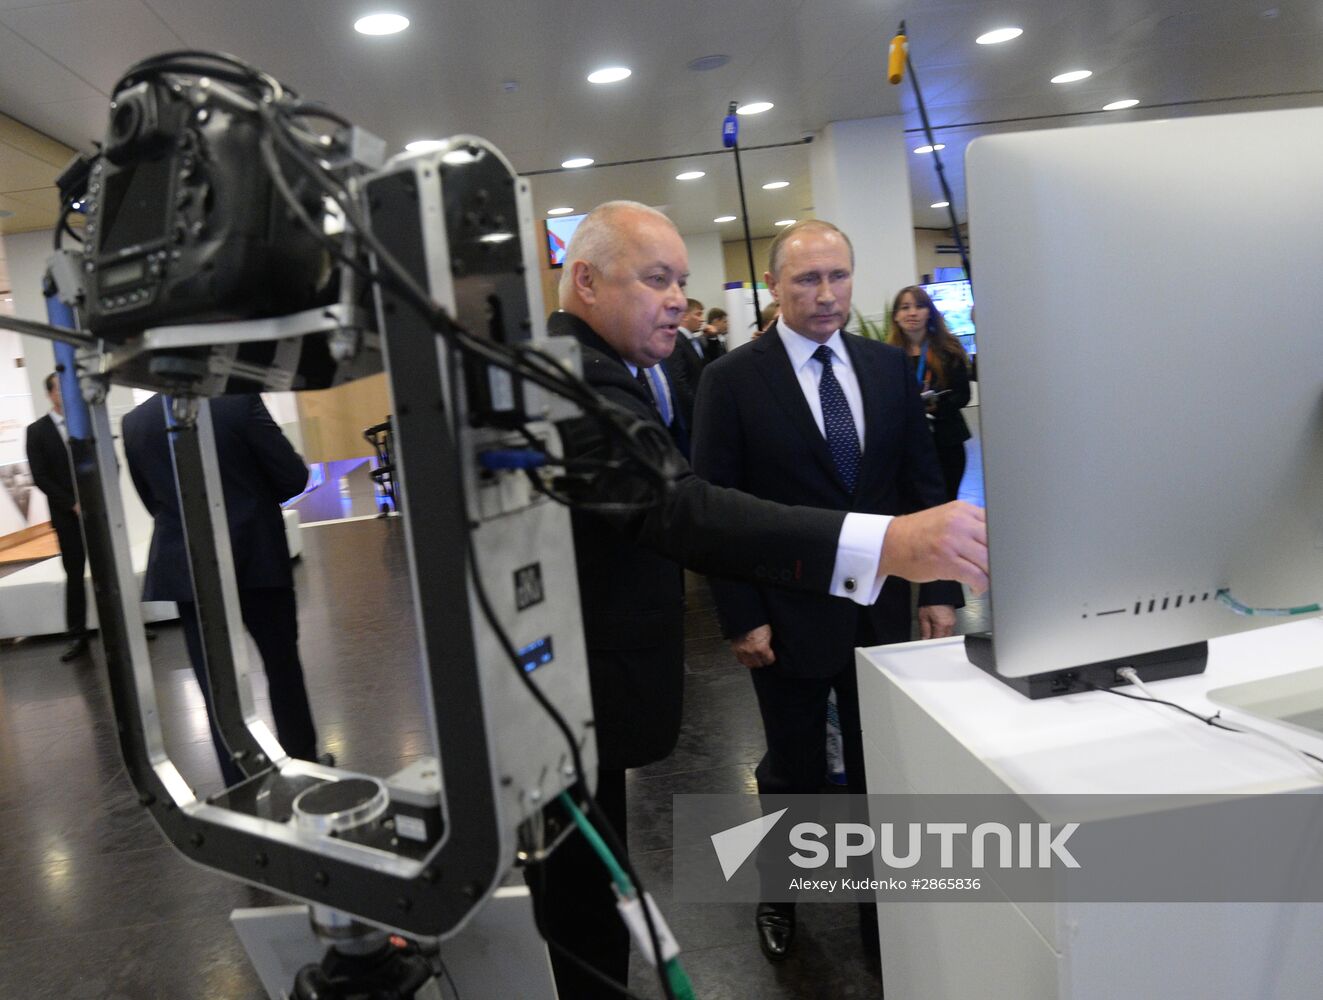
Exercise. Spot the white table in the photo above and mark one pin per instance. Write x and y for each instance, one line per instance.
(934, 723)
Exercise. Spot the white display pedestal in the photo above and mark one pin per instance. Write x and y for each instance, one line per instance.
(934, 723)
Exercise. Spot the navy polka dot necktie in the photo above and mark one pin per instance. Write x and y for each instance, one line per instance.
(837, 421)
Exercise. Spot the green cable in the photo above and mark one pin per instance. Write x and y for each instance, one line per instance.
(675, 974)
(618, 874)
(1243, 609)
(680, 984)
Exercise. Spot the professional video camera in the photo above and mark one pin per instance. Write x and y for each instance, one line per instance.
(231, 246)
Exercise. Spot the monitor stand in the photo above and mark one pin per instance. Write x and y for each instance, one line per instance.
(1178, 661)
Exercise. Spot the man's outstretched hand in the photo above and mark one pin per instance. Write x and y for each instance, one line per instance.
(949, 542)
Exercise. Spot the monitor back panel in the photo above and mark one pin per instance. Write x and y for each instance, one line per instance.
(1149, 302)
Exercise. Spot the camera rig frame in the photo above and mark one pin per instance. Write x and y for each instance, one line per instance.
(420, 851)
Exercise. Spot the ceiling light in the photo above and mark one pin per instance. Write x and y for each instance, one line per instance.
(563, 210)
(704, 63)
(940, 204)
(611, 74)
(785, 222)
(756, 108)
(690, 175)
(724, 218)
(1129, 102)
(775, 185)
(930, 149)
(1074, 76)
(999, 35)
(381, 24)
(423, 145)
(578, 161)
(495, 237)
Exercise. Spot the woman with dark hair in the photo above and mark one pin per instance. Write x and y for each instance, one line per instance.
(940, 365)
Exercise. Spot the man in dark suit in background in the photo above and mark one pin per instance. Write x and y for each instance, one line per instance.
(684, 366)
(622, 296)
(714, 334)
(52, 471)
(810, 415)
(259, 470)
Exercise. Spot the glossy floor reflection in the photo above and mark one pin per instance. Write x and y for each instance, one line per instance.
(97, 905)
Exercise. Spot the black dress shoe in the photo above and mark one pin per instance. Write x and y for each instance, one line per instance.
(776, 929)
(74, 650)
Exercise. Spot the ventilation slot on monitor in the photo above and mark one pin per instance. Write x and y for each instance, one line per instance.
(1156, 605)
(1148, 606)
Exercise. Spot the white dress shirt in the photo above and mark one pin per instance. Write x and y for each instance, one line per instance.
(695, 339)
(859, 548)
(61, 426)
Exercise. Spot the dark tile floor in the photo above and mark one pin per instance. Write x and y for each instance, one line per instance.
(96, 904)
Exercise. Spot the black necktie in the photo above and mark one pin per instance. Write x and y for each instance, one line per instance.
(837, 421)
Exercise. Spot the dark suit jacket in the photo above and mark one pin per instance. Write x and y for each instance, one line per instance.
(259, 470)
(684, 367)
(630, 580)
(755, 432)
(712, 349)
(948, 423)
(682, 400)
(48, 457)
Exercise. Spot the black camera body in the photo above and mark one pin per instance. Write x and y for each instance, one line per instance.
(184, 224)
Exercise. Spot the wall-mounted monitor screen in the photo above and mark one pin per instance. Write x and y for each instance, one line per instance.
(559, 232)
(955, 301)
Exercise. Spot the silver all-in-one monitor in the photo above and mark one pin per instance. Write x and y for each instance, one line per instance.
(1150, 310)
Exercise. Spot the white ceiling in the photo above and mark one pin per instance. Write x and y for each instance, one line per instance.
(817, 60)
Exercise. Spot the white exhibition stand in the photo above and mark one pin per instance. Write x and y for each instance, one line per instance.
(934, 723)
(32, 600)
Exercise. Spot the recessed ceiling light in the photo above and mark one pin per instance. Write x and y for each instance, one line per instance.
(704, 63)
(756, 108)
(423, 145)
(1129, 102)
(578, 161)
(999, 35)
(1074, 76)
(495, 237)
(690, 175)
(930, 149)
(775, 185)
(785, 222)
(563, 210)
(381, 24)
(724, 218)
(940, 204)
(611, 74)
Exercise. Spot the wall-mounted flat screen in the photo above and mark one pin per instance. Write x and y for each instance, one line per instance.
(559, 232)
(955, 301)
